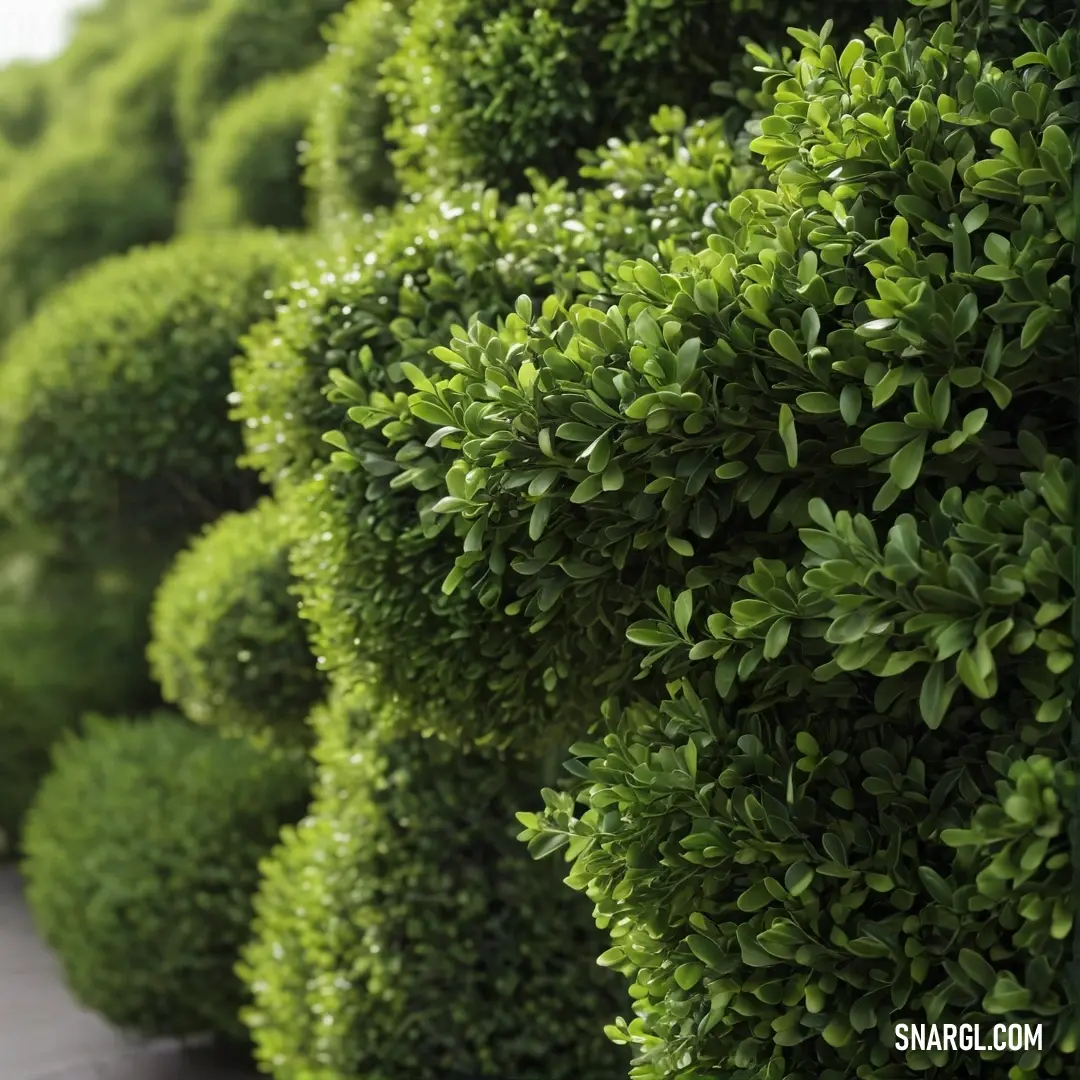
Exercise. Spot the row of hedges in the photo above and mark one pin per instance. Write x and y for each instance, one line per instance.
(734, 465)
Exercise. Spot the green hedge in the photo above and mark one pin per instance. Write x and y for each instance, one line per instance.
(113, 413)
(402, 934)
(247, 170)
(237, 44)
(486, 90)
(348, 163)
(877, 730)
(228, 645)
(142, 853)
(68, 205)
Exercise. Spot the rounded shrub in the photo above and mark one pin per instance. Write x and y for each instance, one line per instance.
(401, 908)
(113, 399)
(247, 170)
(237, 44)
(68, 205)
(228, 645)
(485, 90)
(348, 162)
(142, 852)
(824, 459)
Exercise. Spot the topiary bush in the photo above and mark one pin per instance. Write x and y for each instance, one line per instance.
(484, 90)
(142, 852)
(247, 170)
(348, 162)
(69, 205)
(237, 44)
(393, 916)
(113, 414)
(832, 445)
(228, 645)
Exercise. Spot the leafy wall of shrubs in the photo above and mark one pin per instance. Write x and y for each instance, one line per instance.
(113, 414)
(882, 347)
(401, 910)
(228, 645)
(142, 858)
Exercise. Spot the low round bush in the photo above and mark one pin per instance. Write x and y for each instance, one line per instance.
(484, 90)
(142, 852)
(402, 934)
(69, 204)
(237, 44)
(113, 399)
(228, 645)
(348, 161)
(247, 170)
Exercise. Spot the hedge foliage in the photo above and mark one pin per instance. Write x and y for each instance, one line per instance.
(368, 558)
(879, 347)
(247, 171)
(229, 648)
(237, 44)
(142, 858)
(484, 90)
(113, 414)
(348, 162)
(401, 910)
(68, 206)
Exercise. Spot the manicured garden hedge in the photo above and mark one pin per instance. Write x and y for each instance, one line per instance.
(142, 857)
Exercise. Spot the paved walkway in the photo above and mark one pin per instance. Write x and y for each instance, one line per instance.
(44, 1035)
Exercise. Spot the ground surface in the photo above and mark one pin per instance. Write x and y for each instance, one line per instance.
(44, 1035)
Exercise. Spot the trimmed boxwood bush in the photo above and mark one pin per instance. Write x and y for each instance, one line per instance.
(228, 645)
(485, 90)
(402, 934)
(142, 853)
(247, 170)
(237, 44)
(113, 413)
(348, 162)
(821, 443)
(68, 205)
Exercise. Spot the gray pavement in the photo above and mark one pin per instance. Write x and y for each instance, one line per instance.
(45, 1035)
